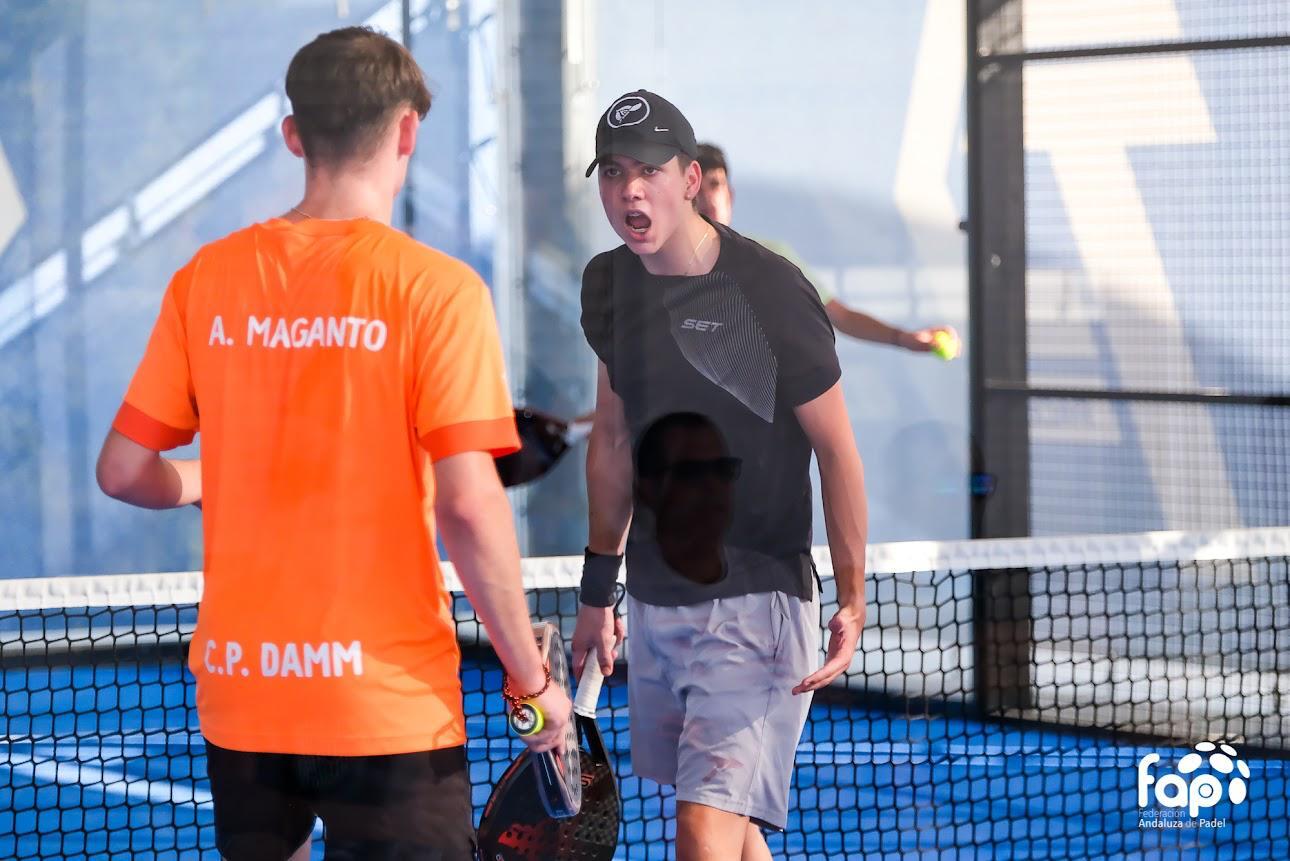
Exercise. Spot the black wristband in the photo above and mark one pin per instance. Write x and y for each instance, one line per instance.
(599, 579)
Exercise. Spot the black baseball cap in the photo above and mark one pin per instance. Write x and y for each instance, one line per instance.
(644, 126)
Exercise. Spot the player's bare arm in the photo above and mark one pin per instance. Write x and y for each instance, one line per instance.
(474, 520)
(846, 518)
(140, 476)
(865, 327)
(609, 504)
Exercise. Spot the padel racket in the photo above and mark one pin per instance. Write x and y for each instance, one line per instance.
(558, 773)
(543, 441)
(516, 825)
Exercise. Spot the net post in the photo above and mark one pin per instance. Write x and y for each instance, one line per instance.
(1002, 636)
(997, 330)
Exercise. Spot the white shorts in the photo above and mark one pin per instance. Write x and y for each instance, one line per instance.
(710, 694)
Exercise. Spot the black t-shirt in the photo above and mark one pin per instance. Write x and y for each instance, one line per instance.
(721, 487)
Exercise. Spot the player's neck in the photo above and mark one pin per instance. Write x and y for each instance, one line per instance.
(344, 196)
(692, 249)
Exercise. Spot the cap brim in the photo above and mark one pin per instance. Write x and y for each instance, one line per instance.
(648, 152)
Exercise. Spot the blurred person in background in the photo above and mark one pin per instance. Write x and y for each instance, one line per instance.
(716, 201)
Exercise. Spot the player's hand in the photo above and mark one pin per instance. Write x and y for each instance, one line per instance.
(924, 340)
(597, 628)
(557, 714)
(844, 639)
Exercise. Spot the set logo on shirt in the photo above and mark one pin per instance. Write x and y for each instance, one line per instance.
(701, 325)
(305, 332)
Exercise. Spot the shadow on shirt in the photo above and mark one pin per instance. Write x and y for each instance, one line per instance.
(685, 481)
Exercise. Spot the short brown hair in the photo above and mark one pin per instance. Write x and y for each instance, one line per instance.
(711, 157)
(346, 86)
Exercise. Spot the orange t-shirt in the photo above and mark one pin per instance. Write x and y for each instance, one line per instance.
(327, 364)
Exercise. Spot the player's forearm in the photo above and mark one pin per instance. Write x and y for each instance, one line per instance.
(480, 540)
(857, 324)
(154, 482)
(846, 520)
(609, 491)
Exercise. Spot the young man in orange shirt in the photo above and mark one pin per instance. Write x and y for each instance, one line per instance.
(347, 382)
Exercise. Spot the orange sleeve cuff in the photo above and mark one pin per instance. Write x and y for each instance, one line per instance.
(134, 423)
(495, 436)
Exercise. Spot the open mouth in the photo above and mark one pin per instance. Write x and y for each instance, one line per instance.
(638, 222)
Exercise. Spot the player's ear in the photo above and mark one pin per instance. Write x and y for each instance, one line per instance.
(409, 123)
(693, 180)
(291, 136)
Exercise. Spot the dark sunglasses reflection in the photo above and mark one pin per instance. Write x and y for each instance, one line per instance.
(685, 480)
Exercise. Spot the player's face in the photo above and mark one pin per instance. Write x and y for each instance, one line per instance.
(716, 200)
(645, 203)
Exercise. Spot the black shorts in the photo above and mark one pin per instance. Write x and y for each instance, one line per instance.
(401, 806)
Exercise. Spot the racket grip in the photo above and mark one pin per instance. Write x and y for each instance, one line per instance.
(588, 695)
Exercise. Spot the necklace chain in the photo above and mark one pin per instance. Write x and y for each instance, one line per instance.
(304, 214)
(694, 258)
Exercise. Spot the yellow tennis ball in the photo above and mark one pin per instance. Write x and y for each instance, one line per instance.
(945, 345)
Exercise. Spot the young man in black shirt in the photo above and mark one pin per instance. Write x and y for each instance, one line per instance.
(717, 380)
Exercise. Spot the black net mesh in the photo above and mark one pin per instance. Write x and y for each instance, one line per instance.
(1156, 193)
(1001, 705)
(1046, 25)
(1137, 465)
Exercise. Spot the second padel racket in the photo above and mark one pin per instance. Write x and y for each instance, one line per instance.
(516, 825)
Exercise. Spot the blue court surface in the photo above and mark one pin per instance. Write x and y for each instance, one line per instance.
(116, 770)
